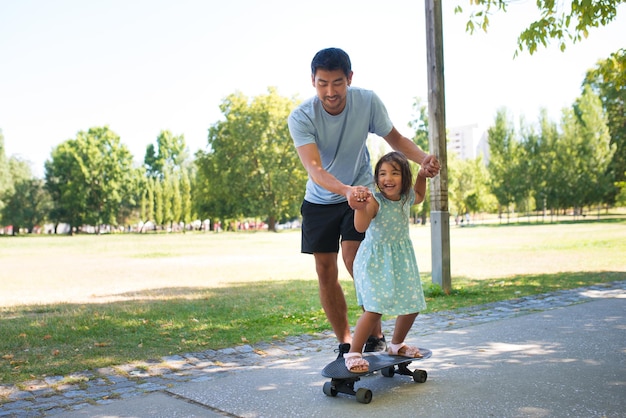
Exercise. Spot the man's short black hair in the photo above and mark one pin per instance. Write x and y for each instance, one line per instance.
(331, 59)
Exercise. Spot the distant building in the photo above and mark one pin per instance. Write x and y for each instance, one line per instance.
(461, 140)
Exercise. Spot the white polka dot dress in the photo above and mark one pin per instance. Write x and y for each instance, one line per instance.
(386, 276)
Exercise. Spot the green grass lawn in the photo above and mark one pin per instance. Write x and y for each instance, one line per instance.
(76, 303)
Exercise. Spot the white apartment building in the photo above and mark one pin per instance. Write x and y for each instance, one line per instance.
(462, 141)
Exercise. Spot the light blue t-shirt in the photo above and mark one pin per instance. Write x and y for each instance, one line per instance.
(341, 139)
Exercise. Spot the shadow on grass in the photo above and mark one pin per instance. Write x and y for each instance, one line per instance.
(45, 340)
(467, 292)
(57, 339)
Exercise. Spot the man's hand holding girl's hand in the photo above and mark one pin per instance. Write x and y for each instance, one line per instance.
(430, 166)
(357, 197)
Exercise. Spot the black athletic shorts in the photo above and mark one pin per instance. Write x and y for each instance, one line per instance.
(323, 226)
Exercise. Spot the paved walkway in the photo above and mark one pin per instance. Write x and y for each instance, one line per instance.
(80, 391)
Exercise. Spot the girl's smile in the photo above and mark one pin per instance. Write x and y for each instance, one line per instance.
(389, 181)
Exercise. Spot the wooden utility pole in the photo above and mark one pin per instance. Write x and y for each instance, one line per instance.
(439, 215)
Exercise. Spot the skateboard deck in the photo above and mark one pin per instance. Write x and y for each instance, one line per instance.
(342, 380)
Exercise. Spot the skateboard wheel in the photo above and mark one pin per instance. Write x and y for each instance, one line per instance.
(420, 376)
(364, 395)
(329, 390)
(388, 371)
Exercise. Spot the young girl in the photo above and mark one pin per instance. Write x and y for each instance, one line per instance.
(385, 270)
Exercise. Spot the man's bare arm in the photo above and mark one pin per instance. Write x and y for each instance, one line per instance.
(312, 162)
(398, 142)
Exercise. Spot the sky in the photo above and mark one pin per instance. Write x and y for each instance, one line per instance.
(143, 66)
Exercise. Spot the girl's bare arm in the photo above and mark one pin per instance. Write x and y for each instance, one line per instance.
(420, 186)
(363, 217)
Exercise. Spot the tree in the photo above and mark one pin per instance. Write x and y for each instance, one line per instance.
(543, 167)
(468, 180)
(185, 191)
(167, 194)
(251, 168)
(6, 183)
(27, 203)
(159, 202)
(170, 153)
(177, 202)
(28, 206)
(146, 201)
(420, 124)
(563, 24)
(503, 149)
(169, 164)
(89, 177)
(150, 214)
(455, 194)
(608, 82)
(130, 210)
(586, 135)
(529, 168)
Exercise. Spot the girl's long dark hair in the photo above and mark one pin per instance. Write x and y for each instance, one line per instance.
(398, 160)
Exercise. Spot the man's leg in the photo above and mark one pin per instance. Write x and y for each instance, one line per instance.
(331, 295)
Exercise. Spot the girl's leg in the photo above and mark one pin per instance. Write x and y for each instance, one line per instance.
(403, 326)
(354, 359)
(364, 326)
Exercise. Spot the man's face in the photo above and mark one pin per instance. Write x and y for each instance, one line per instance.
(332, 89)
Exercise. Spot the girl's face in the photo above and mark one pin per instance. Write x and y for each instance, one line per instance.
(389, 181)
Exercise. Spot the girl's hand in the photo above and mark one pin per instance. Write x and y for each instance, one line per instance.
(430, 165)
(358, 197)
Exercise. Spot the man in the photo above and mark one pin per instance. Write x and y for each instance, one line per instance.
(330, 132)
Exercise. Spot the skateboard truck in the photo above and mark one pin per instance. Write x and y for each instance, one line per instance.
(336, 386)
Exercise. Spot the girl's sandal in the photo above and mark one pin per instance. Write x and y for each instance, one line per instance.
(404, 350)
(355, 363)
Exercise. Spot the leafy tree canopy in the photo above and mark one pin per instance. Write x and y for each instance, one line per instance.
(559, 21)
(5, 174)
(170, 152)
(89, 177)
(608, 82)
(251, 168)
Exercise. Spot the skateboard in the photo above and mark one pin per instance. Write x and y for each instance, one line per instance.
(342, 380)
